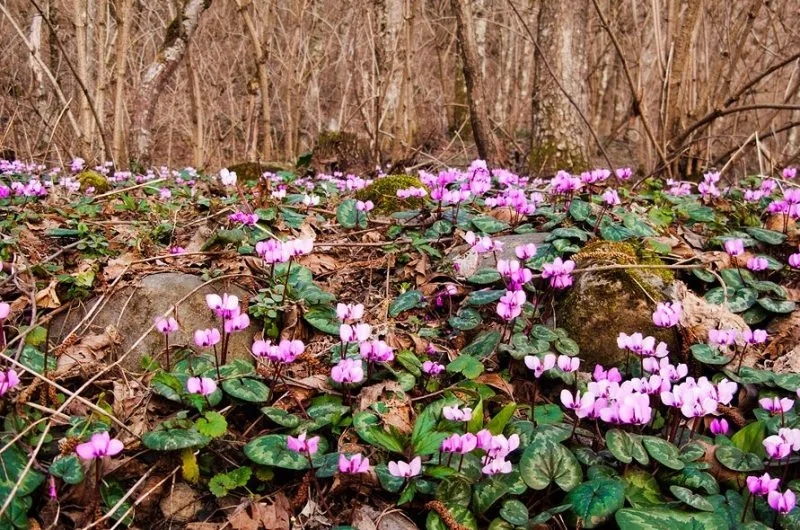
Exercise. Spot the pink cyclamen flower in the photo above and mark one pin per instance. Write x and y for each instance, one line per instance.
(525, 252)
(166, 325)
(453, 413)
(304, 445)
(225, 306)
(364, 206)
(777, 448)
(510, 305)
(776, 405)
(99, 445)
(354, 333)
(722, 337)
(376, 351)
(205, 338)
(8, 380)
(349, 311)
(789, 172)
(782, 502)
(719, 426)
(568, 364)
(667, 315)
(5, 309)
(497, 466)
(794, 260)
(353, 466)
(497, 446)
(540, 366)
(762, 485)
(611, 197)
(462, 444)
(559, 273)
(432, 368)
(201, 385)
(581, 405)
(612, 374)
(227, 177)
(237, 323)
(757, 263)
(756, 336)
(348, 371)
(402, 469)
(734, 247)
(175, 251)
(623, 173)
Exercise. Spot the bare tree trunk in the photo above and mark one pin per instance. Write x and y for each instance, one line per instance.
(196, 106)
(101, 17)
(558, 140)
(485, 140)
(81, 22)
(123, 20)
(35, 62)
(263, 76)
(677, 87)
(390, 57)
(155, 77)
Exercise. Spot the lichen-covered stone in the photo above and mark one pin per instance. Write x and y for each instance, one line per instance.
(601, 305)
(92, 179)
(383, 193)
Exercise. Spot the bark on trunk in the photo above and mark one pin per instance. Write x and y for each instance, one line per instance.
(558, 139)
(196, 105)
(485, 140)
(123, 18)
(155, 77)
(263, 77)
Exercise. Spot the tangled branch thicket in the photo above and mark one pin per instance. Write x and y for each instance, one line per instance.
(667, 85)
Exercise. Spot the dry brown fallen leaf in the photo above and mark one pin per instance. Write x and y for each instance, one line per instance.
(319, 263)
(391, 396)
(90, 349)
(47, 298)
(119, 265)
(496, 381)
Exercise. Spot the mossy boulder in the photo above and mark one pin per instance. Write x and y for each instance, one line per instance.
(252, 171)
(92, 179)
(383, 193)
(601, 305)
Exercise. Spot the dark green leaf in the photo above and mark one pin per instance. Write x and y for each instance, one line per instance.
(595, 501)
(408, 300)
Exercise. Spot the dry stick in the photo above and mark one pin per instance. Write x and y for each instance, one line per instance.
(638, 103)
(121, 501)
(129, 188)
(70, 395)
(81, 84)
(561, 87)
(140, 500)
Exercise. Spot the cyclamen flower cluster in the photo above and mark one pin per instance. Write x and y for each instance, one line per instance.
(641, 345)
(515, 274)
(227, 308)
(696, 398)
(667, 314)
(483, 244)
(728, 337)
(559, 273)
(496, 448)
(595, 175)
(246, 219)
(563, 183)
(678, 188)
(789, 205)
(276, 251)
(708, 188)
(407, 193)
(286, 351)
(781, 502)
(781, 445)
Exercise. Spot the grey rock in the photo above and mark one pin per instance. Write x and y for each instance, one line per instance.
(131, 311)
